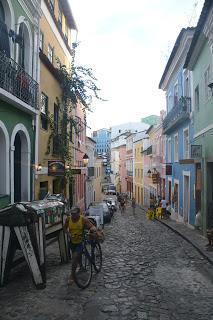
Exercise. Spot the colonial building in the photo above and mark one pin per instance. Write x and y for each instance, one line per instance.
(200, 61)
(178, 128)
(57, 32)
(138, 167)
(19, 36)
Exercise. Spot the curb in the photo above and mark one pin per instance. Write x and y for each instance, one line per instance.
(188, 240)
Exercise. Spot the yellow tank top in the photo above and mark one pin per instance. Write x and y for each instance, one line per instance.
(76, 230)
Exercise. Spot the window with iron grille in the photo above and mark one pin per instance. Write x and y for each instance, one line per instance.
(186, 143)
(59, 17)
(44, 111)
(50, 53)
(52, 5)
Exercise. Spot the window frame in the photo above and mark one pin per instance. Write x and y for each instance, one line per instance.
(169, 149)
(50, 53)
(41, 40)
(44, 119)
(197, 98)
(185, 155)
(176, 148)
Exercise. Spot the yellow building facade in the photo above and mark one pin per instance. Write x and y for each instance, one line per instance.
(57, 32)
(97, 180)
(138, 172)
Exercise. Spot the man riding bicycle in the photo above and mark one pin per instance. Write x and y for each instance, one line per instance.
(74, 226)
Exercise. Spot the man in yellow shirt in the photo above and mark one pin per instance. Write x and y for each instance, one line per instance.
(74, 226)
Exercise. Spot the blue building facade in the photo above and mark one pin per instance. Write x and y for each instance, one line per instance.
(102, 139)
(178, 128)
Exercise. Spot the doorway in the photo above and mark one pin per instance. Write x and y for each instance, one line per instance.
(17, 168)
(186, 197)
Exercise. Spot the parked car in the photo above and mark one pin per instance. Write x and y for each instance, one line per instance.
(96, 212)
(106, 211)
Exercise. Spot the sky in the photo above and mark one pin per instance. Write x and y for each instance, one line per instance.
(127, 44)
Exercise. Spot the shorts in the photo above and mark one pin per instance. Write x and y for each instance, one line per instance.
(76, 247)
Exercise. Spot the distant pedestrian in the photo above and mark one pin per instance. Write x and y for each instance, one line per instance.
(163, 206)
(133, 205)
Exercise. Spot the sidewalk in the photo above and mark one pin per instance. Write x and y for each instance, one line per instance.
(191, 235)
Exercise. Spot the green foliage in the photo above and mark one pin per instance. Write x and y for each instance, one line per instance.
(78, 86)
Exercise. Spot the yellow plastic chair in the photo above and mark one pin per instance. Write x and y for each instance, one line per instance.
(158, 212)
(150, 214)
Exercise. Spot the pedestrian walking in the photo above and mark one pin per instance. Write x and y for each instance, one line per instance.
(74, 227)
(133, 205)
(163, 206)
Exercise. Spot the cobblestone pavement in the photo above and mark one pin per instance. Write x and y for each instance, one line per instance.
(149, 272)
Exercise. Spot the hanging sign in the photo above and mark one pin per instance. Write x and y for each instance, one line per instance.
(56, 168)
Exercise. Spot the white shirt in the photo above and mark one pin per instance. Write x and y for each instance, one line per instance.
(163, 204)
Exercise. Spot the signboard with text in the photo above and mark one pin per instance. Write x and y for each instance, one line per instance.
(196, 151)
(56, 168)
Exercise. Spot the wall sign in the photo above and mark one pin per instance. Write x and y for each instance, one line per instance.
(56, 168)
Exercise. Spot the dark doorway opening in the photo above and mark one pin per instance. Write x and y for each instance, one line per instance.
(17, 168)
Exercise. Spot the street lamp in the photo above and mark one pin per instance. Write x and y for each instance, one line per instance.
(85, 160)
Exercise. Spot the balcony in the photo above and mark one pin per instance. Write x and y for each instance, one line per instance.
(179, 113)
(17, 82)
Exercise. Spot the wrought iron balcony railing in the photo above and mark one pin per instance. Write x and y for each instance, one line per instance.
(18, 82)
(180, 112)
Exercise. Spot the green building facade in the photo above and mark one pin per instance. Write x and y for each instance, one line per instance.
(200, 61)
(19, 45)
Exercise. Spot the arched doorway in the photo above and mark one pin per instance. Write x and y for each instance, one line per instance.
(4, 160)
(20, 164)
(17, 168)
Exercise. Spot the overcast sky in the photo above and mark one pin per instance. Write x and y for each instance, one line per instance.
(127, 44)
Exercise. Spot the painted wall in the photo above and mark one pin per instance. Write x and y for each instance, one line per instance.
(138, 172)
(203, 131)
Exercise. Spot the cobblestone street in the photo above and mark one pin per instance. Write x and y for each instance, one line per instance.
(148, 272)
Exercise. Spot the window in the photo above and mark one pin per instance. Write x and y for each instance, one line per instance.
(197, 98)
(52, 5)
(169, 150)
(41, 41)
(44, 111)
(176, 95)
(56, 118)
(66, 31)
(176, 148)
(60, 17)
(71, 131)
(206, 83)
(186, 144)
(50, 53)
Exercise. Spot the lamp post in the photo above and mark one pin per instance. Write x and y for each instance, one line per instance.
(85, 163)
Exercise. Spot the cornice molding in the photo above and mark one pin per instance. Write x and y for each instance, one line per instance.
(178, 59)
(33, 10)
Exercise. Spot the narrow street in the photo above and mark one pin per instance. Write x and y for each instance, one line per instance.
(149, 272)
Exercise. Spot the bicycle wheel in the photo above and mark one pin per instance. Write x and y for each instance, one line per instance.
(97, 256)
(83, 274)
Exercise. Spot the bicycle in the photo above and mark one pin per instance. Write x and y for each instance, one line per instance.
(91, 258)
